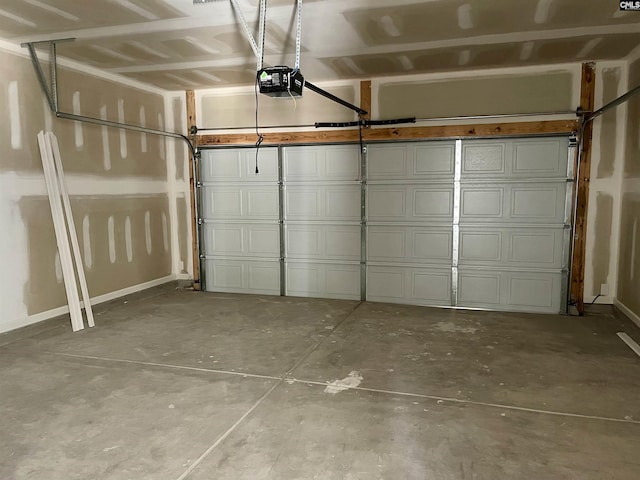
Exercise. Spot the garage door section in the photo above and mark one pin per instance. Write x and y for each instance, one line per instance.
(479, 223)
(322, 216)
(240, 212)
(410, 196)
(513, 244)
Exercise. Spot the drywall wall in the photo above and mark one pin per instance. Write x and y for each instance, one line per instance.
(119, 181)
(233, 108)
(628, 292)
(607, 163)
(488, 94)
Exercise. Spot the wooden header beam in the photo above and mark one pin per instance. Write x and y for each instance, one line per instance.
(386, 134)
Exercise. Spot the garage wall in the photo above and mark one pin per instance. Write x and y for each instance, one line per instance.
(629, 255)
(118, 182)
(607, 164)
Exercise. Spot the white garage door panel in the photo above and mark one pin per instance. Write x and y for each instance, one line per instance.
(240, 202)
(328, 242)
(401, 203)
(403, 244)
(511, 291)
(323, 203)
(257, 240)
(416, 286)
(324, 280)
(513, 202)
(519, 247)
(243, 276)
(414, 161)
(325, 163)
(239, 165)
(512, 159)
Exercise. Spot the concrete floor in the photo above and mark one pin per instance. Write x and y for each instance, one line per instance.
(174, 384)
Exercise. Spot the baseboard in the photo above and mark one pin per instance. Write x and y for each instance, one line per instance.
(56, 312)
(627, 311)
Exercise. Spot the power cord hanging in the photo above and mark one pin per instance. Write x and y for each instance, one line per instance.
(258, 134)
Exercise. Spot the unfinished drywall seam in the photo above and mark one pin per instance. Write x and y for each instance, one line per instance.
(104, 131)
(13, 93)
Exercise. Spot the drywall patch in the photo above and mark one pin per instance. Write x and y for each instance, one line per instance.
(350, 381)
(526, 50)
(14, 115)
(465, 20)
(123, 132)
(106, 152)
(143, 123)
(543, 10)
(79, 134)
(128, 239)
(602, 243)
(161, 139)
(464, 56)
(165, 232)
(147, 231)
(86, 241)
(111, 229)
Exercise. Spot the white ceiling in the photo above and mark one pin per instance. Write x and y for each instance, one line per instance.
(176, 45)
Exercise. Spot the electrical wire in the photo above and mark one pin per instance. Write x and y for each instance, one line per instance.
(258, 134)
(596, 298)
(361, 144)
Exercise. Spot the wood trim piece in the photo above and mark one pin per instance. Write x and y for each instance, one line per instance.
(191, 122)
(386, 134)
(365, 98)
(587, 101)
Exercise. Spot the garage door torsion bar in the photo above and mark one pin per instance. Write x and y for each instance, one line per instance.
(612, 104)
(411, 120)
(52, 97)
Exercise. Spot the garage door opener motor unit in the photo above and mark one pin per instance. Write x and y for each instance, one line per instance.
(280, 82)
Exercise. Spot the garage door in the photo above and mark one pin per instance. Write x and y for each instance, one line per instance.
(478, 223)
(240, 227)
(473, 223)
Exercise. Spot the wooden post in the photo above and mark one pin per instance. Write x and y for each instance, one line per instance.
(191, 122)
(587, 95)
(365, 98)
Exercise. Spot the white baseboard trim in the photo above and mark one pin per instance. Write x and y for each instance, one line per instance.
(627, 311)
(56, 312)
(183, 276)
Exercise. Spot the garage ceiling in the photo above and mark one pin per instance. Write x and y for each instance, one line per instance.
(176, 45)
